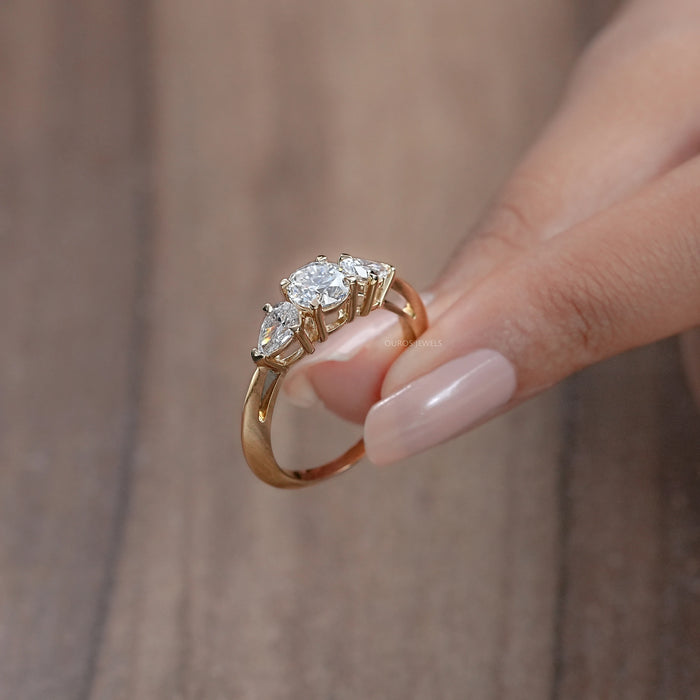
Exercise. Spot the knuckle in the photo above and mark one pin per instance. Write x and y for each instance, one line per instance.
(513, 224)
(516, 220)
(581, 307)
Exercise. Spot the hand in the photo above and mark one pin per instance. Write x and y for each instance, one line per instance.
(591, 248)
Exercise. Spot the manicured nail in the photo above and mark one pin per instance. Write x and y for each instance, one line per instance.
(341, 346)
(438, 406)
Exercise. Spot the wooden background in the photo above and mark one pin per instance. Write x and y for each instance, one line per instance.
(162, 165)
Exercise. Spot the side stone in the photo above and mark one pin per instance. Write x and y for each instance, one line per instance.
(361, 268)
(278, 327)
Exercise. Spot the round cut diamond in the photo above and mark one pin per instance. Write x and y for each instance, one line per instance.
(362, 268)
(324, 281)
(278, 328)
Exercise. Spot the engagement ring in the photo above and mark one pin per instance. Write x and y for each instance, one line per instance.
(319, 298)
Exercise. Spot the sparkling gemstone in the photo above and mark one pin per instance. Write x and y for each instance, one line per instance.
(318, 280)
(278, 328)
(362, 268)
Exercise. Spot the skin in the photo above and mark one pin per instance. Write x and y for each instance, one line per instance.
(592, 246)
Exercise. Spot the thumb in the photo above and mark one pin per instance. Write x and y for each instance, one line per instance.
(624, 278)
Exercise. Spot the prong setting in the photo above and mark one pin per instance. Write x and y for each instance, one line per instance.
(304, 341)
(351, 306)
(319, 319)
(371, 287)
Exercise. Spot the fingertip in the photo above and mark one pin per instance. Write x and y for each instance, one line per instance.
(378, 450)
(299, 391)
(350, 388)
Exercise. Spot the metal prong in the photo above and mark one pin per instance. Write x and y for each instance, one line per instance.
(321, 258)
(319, 319)
(262, 361)
(351, 304)
(304, 340)
(370, 293)
(389, 279)
(284, 283)
(267, 308)
(343, 256)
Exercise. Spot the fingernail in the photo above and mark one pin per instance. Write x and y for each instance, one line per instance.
(341, 346)
(438, 406)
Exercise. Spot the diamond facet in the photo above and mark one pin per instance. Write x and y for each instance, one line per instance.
(278, 328)
(318, 280)
(362, 268)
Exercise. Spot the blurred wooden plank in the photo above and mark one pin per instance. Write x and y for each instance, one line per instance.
(629, 589)
(678, 448)
(70, 242)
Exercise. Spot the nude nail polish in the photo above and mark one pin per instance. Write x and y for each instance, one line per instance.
(438, 406)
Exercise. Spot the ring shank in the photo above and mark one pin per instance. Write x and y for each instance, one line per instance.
(262, 394)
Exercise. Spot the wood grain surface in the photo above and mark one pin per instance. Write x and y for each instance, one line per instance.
(162, 166)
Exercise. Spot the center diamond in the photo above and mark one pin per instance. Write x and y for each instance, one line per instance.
(318, 280)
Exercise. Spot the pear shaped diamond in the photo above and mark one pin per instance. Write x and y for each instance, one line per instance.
(278, 327)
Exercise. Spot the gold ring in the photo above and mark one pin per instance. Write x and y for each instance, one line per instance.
(319, 298)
